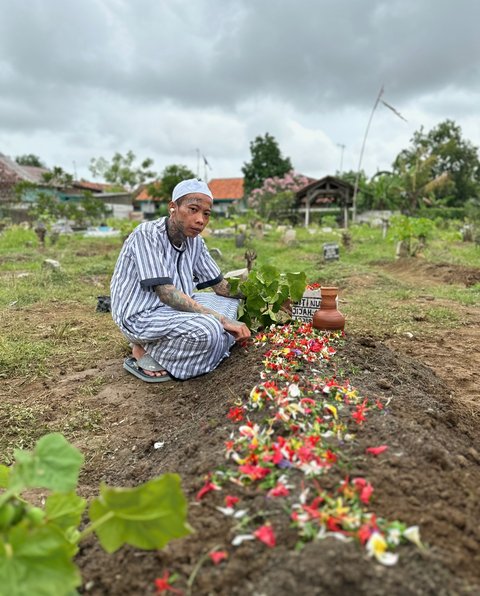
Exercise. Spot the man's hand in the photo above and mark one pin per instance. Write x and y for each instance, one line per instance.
(238, 329)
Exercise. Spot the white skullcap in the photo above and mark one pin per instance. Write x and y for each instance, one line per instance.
(187, 187)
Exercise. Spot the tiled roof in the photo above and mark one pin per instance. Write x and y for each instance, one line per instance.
(143, 195)
(226, 188)
(94, 186)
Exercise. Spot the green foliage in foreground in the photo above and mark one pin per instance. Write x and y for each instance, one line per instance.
(37, 545)
(266, 290)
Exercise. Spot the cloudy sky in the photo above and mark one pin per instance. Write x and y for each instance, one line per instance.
(86, 78)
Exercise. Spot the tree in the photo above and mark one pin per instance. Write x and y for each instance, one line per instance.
(276, 197)
(169, 178)
(267, 162)
(57, 177)
(121, 170)
(446, 154)
(417, 182)
(30, 159)
(364, 195)
(385, 191)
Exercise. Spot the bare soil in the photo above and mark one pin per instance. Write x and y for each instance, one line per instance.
(430, 477)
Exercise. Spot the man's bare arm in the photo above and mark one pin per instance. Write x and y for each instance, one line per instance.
(178, 300)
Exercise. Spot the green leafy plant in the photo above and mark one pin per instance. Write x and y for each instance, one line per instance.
(38, 544)
(266, 291)
(409, 229)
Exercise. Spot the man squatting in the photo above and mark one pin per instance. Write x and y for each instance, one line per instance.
(174, 332)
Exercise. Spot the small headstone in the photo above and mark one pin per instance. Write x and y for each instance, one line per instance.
(216, 253)
(304, 310)
(241, 273)
(289, 237)
(402, 250)
(240, 240)
(331, 251)
(51, 264)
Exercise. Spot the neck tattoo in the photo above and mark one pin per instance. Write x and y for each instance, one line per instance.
(176, 236)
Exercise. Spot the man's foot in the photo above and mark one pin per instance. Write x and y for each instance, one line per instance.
(137, 353)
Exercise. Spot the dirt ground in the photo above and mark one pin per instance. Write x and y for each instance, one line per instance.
(430, 475)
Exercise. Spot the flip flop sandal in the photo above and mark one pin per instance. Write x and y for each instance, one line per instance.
(146, 362)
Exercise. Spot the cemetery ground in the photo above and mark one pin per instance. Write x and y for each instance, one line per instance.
(412, 337)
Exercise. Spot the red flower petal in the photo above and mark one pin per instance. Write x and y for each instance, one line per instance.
(218, 556)
(278, 491)
(377, 450)
(230, 500)
(266, 535)
(206, 488)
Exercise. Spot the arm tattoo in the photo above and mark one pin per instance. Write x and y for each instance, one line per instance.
(176, 299)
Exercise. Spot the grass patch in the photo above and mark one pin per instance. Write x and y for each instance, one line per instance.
(93, 386)
(82, 420)
(49, 323)
(20, 427)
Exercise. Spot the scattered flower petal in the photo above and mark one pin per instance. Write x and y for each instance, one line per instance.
(413, 534)
(377, 450)
(163, 585)
(230, 500)
(377, 547)
(242, 538)
(218, 556)
(206, 488)
(266, 535)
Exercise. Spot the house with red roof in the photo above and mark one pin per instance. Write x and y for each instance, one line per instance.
(228, 194)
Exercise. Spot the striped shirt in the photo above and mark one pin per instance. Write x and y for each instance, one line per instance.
(148, 259)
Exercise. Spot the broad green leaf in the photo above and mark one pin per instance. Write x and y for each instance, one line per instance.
(296, 284)
(4, 476)
(147, 516)
(234, 283)
(37, 561)
(65, 509)
(282, 296)
(251, 287)
(270, 292)
(54, 464)
(255, 304)
(267, 273)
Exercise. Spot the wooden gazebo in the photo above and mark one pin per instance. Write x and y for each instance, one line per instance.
(325, 195)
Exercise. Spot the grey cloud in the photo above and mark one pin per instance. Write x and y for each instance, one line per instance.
(217, 53)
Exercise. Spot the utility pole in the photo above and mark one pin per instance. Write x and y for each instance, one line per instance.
(342, 149)
(198, 163)
(357, 178)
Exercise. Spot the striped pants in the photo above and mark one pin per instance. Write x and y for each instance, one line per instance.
(185, 344)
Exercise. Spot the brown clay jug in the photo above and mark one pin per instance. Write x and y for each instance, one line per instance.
(327, 317)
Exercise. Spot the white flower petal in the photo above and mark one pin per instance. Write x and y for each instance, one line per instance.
(242, 538)
(388, 559)
(240, 513)
(339, 536)
(294, 390)
(225, 510)
(413, 534)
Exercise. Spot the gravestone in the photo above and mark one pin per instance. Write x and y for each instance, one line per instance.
(304, 310)
(290, 236)
(240, 240)
(331, 251)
